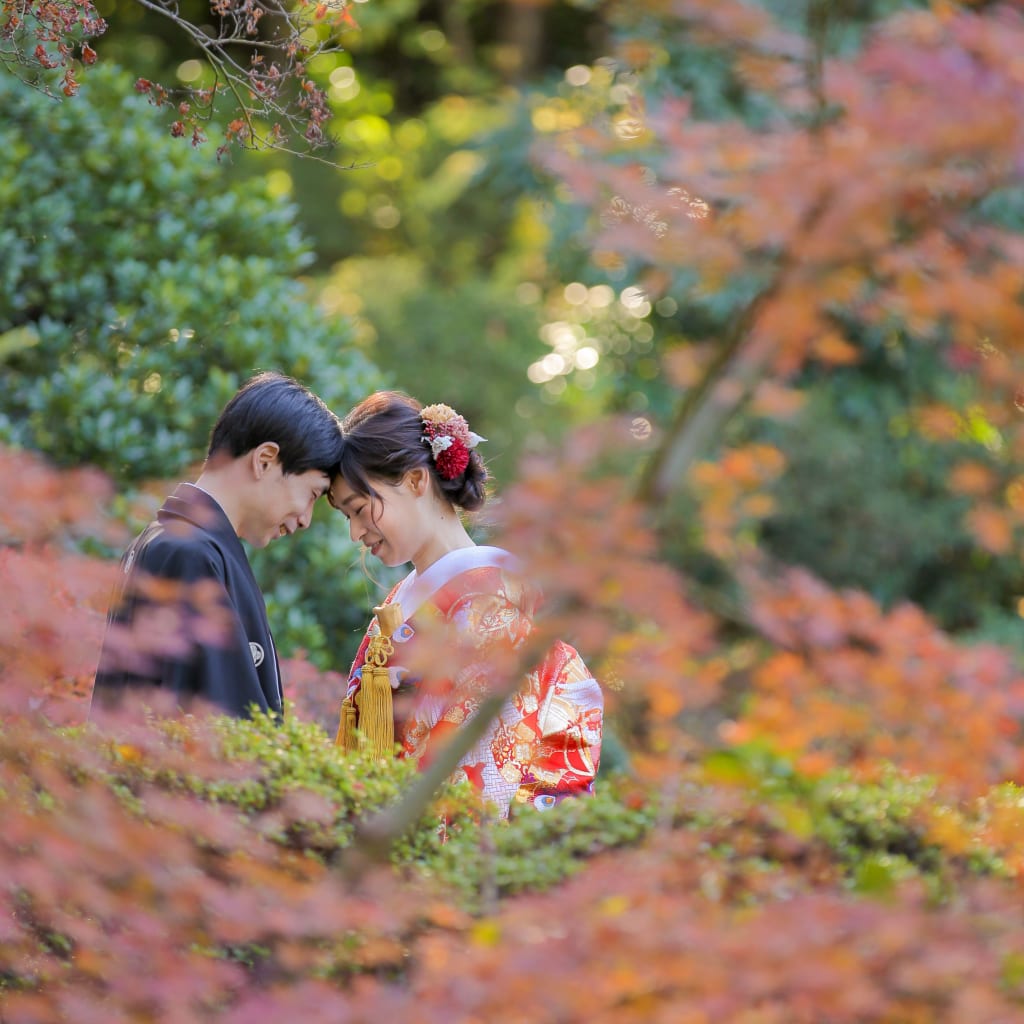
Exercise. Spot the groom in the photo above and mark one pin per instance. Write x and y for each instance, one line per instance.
(189, 617)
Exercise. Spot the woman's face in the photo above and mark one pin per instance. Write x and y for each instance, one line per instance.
(389, 527)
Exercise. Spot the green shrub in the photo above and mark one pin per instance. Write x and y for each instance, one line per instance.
(294, 786)
(263, 765)
(865, 821)
(534, 850)
(877, 832)
(138, 289)
(294, 789)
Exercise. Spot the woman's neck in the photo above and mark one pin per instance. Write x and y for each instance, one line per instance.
(447, 535)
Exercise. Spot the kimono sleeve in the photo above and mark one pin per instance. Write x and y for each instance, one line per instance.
(546, 743)
(177, 627)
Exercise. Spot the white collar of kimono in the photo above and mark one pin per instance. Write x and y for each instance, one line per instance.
(415, 589)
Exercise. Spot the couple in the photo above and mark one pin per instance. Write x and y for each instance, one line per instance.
(190, 617)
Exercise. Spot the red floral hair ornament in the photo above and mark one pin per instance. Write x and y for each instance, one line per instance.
(450, 439)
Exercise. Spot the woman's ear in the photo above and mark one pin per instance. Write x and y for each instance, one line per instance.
(262, 457)
(418, 480)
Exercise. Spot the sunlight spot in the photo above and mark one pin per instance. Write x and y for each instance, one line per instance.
(640, 428)
(189, 70)
(432, 40)
(527, 293)
(578, 74)
(553, 364)
(279, 183)
(545, 119)
(386, 217)
(632, 297)
(576, 293)
(353, 203)
(390, 168)
(628, 128)
(344, 93)
(411, 134)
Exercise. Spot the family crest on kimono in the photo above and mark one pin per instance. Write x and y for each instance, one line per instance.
(404, 475)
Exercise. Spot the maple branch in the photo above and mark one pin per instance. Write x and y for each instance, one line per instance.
(375, 837)
(817, 21)
(258, 88)
(710, 404)
(698, 415)
(707, 406)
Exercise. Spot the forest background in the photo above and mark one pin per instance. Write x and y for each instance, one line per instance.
(779, 247)
(442, 255)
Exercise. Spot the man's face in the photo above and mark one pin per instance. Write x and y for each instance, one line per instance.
(284, 504)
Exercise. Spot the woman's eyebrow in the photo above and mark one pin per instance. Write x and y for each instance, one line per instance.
(341, 506)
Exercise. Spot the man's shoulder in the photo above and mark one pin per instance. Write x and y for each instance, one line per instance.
(177, 548)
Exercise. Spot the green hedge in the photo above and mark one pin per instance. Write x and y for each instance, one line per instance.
(138, 288)
(871, 834)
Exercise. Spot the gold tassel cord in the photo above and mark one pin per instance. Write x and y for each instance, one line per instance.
(374, 718)
(346, 738)
(376, 709)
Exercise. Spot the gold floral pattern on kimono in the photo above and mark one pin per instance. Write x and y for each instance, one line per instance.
(546, 742)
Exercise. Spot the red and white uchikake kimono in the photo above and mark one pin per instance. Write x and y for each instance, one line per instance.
(546, 742)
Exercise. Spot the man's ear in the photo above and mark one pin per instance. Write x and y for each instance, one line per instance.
(263, 457)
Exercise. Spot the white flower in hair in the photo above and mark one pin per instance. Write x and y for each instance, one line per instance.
(439, 444)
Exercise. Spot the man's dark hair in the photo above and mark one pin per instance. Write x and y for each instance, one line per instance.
(273, 407)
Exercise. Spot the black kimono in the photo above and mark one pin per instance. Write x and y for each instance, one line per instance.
(190, 617)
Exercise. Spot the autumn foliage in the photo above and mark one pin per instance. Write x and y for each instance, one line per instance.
(53, 600)
(819, 815)
(209, 871)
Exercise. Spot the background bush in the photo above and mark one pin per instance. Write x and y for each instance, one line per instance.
(137, 291)
(142, 289)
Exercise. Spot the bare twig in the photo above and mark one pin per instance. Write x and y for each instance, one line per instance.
(43, 45)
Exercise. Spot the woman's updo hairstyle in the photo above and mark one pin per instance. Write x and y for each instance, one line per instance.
(382, 437)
